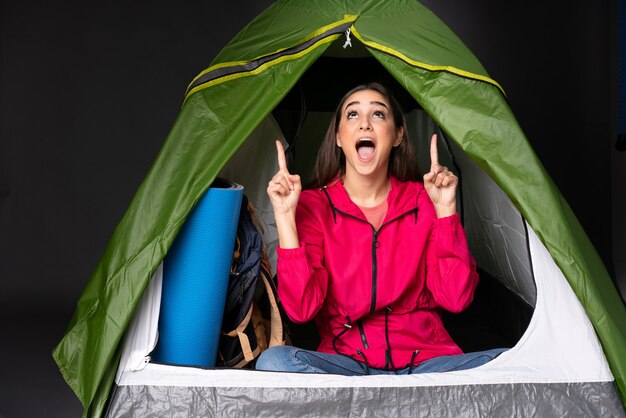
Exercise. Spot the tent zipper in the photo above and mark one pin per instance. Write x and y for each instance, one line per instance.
(225, 71)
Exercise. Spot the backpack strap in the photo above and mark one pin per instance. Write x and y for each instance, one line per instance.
(248, 353)
(276, 324)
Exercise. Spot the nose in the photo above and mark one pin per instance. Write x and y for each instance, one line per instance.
(365, 125)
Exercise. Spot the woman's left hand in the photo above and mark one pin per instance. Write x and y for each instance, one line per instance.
(440, 183)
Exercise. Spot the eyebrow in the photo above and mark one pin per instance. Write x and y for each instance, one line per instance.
(356, 102)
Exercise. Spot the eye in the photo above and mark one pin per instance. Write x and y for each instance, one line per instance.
(378, 114)
(351, 114)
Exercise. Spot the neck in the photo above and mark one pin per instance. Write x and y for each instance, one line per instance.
(365, 191)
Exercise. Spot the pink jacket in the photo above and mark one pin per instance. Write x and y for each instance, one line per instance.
(376, 295)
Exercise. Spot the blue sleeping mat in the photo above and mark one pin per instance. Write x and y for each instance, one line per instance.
(195, 278)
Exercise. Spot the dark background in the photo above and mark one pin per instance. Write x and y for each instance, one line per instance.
(89, 91)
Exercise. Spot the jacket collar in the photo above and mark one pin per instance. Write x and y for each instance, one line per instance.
(401, 198)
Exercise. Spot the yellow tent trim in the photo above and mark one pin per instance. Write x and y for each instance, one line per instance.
(429, 67)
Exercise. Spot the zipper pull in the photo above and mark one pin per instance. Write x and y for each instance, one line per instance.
(144, 362)
(348, 42)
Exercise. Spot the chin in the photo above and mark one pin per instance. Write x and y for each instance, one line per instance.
(368, 170)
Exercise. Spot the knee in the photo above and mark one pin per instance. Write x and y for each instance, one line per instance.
(274, 359)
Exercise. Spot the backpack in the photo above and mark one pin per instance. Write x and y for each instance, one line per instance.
(252, 320)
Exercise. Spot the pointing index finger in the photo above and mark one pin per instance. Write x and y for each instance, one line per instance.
(434, 156)
(282, 162)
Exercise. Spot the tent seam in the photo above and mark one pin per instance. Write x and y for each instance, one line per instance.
(423, 65)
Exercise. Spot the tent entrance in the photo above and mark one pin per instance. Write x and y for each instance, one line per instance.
(505, 298)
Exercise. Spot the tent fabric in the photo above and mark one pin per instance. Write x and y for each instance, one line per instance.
(218, 116)
(585, 399)
(496, 231)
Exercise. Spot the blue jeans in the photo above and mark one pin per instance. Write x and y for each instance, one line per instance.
(293, 359)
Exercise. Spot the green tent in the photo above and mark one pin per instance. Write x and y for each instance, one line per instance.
(293, 51)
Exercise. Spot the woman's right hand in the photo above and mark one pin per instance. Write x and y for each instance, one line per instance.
(284, 188)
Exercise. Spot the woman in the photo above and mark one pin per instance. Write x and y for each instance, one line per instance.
(369, 253)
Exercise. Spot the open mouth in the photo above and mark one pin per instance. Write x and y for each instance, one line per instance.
(365, 149)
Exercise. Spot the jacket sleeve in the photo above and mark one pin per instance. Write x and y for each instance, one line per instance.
(302, 278)
(451, 273)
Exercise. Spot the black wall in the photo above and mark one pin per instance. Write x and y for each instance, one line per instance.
(88, 92)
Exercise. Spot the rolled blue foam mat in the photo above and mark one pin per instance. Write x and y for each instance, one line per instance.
(195, 279)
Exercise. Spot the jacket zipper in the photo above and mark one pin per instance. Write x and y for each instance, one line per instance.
(374, 243)
(374, 268)
(362, 332)
(374, 246)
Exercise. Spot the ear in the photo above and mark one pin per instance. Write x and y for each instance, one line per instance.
(338, 141)
(399, 135)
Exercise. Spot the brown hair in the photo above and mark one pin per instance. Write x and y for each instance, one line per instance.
(331, 162)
